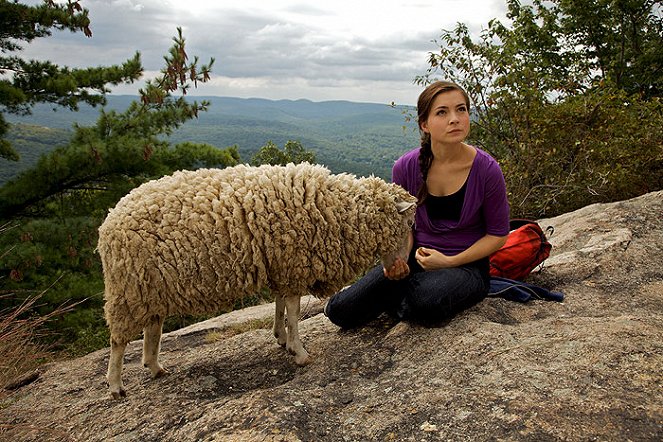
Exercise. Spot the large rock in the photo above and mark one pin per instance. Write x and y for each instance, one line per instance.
(590, 368)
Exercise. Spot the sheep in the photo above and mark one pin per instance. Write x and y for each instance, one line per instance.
(197, 241)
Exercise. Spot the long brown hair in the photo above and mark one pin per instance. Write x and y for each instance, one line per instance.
(424, 104)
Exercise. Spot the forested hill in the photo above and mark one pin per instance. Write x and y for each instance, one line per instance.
(361, 138)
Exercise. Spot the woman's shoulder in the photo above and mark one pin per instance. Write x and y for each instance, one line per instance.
(409, 156)
(486, 167)
(406, 168)
(408, 160)
(484, 156)
(485, 161)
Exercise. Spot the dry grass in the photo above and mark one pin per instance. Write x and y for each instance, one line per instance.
(21, 350)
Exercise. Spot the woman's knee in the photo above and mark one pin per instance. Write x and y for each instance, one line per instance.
(350, 308)
(336, 311)
(363, 301)
(443, 296)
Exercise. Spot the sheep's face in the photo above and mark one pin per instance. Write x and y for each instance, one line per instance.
(400, 221)
(388, 259)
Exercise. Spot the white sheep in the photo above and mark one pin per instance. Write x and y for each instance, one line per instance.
(197, 241)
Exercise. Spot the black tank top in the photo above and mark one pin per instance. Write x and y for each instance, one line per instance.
(446, 207)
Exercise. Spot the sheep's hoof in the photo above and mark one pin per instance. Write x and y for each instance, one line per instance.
(117, 395)
(302, 360)
(159, 374)
(281, 338)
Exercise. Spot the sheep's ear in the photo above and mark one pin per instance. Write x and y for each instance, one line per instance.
(402, 206)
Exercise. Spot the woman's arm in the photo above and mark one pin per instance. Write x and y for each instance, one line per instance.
(431, 259)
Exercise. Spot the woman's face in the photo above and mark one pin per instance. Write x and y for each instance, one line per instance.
(448, 120)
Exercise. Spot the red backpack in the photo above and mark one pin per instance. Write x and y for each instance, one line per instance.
(526, 247)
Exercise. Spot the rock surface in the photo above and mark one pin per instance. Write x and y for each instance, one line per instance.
(590, 368)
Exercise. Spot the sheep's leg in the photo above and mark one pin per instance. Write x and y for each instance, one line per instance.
(294, 344)
(151, 345)
(279, 321)
(114, 374)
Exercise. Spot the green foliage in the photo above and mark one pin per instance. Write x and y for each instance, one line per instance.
(600, 146)
(559, 105)
(293, 152)
(57, 206)
(26, 82)
(617, 42)
(122, 150)
(6, 150)
(196, 155)
(57, 254)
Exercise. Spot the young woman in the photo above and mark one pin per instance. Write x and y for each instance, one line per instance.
(462, 217)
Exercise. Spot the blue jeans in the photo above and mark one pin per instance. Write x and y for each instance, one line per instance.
(424, 296)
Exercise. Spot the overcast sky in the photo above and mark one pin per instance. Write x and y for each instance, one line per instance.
(357, 50)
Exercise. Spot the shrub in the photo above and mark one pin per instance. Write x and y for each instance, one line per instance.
(599, 147)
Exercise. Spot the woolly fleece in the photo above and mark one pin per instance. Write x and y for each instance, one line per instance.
(197, 241)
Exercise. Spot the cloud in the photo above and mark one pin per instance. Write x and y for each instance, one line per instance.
(361, 51)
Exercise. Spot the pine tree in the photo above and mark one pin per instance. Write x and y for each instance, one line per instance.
(123, 149)
(23, 83)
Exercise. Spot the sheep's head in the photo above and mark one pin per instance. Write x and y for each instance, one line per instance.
(399, 210)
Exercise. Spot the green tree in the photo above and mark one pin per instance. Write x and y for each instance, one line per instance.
(55, 208)
(293, 152)
(122, 149)
(555, 49)
(26, 82)
(552, 102)
(617, 41)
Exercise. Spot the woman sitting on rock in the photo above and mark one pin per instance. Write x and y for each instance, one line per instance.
(462, 217)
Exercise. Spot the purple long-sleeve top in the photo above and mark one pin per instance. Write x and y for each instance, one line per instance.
(485, 209)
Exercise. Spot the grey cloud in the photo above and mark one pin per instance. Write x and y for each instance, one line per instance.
(308, 9)
(246, 43)
(281, 48)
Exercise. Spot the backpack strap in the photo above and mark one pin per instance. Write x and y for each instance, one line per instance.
(549, 231)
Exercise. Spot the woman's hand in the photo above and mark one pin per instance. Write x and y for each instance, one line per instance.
(431, 259)
(399, 270)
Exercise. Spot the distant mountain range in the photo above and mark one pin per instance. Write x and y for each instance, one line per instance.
(360, 138)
